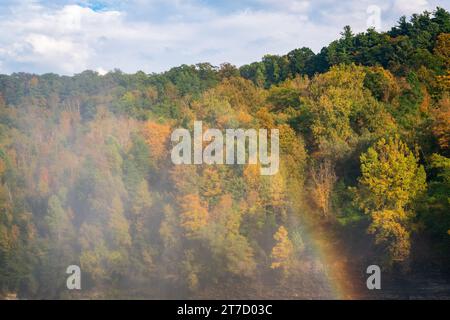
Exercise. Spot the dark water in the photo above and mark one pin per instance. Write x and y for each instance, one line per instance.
(435, 286)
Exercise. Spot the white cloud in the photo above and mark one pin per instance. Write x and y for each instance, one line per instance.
(101, 71)
(408, 7)
(155, 35)
(58, 40)
(291, 6)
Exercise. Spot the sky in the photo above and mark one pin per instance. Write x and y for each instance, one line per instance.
(68, 37)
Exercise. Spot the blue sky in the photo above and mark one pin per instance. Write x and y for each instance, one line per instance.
(67, 37)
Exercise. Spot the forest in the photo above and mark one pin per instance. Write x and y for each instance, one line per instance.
(364, 176)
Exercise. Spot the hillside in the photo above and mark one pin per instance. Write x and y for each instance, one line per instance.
(86, 176)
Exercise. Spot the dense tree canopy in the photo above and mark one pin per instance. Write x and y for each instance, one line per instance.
(86, 176)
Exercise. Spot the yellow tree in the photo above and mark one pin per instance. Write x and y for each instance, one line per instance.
(142, 200)
(391, 180)
(252, 180)
(194, 215)
(156, 135)
(277, 192)
(388, 226)
(118, 225)
(282, 252)
(323, 179)
(442, 48)
(230, 249)
(441, 125)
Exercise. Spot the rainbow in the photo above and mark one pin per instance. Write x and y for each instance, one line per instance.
(336, 272)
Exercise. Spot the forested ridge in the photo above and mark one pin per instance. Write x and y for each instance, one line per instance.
(86, 176)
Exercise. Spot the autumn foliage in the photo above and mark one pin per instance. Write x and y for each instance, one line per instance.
(86, 176)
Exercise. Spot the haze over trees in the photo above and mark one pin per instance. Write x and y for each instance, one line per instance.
(86, 176)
